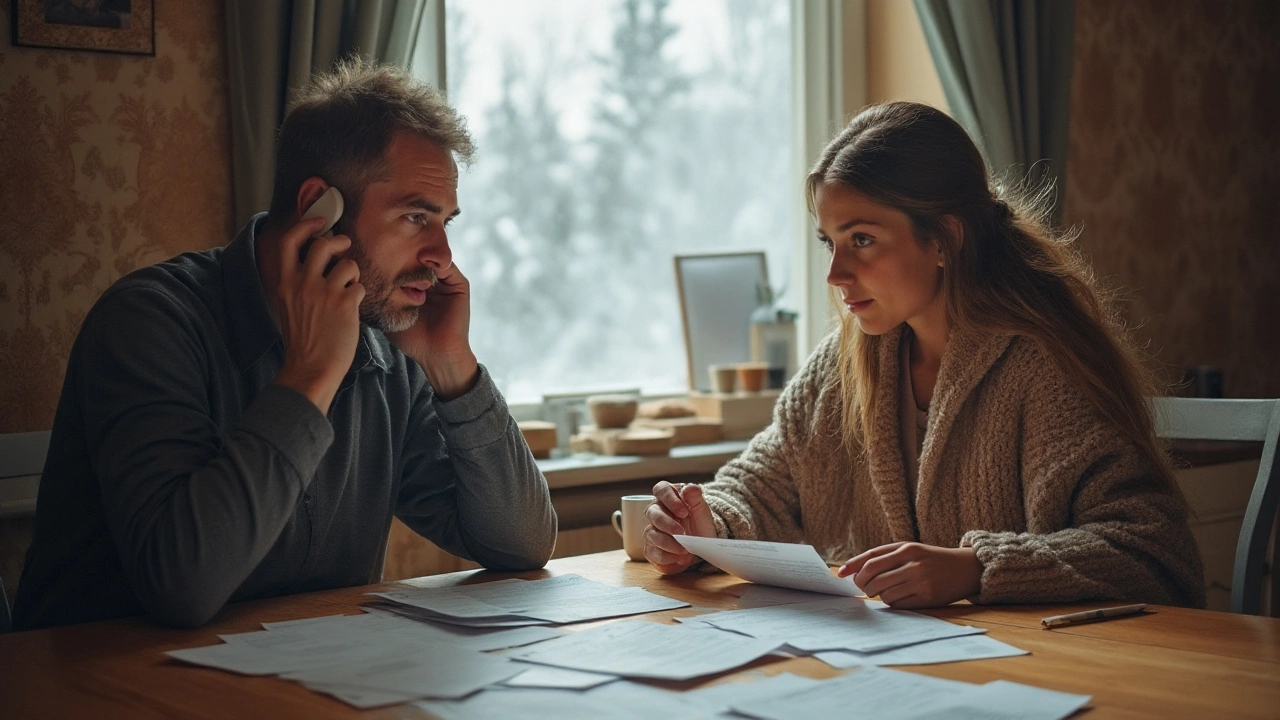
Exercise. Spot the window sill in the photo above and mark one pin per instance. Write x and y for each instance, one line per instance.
(585, 469)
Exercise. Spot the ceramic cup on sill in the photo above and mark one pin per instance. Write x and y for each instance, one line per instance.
(751, 376)
(723, 378)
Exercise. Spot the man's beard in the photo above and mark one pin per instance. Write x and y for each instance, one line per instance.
(377, 309)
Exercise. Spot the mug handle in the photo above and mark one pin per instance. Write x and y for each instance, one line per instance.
(617, 521)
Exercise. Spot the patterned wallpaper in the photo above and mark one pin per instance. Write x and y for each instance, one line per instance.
(107, 163)
(111, 162)
(1174, 174)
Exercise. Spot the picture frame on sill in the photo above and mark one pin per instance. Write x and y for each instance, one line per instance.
(119, 26)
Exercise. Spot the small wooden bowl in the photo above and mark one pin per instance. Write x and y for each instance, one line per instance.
(612, 411)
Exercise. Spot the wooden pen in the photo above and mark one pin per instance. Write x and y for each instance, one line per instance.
(1091, 615)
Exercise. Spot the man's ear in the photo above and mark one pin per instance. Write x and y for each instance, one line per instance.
(954, 230)
(308, 192)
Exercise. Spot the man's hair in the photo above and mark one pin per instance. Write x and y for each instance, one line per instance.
(339, 126)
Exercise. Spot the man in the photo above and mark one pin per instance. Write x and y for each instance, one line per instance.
(244, 422)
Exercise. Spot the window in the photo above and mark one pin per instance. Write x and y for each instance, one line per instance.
(612, 134)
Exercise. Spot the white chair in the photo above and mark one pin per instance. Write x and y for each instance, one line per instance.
(21, 462)
(1240, 420)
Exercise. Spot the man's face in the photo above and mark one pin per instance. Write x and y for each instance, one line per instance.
(398, 238)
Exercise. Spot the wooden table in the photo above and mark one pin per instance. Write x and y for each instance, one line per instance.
(1168, 663)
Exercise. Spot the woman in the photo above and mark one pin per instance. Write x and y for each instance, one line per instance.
(977, 428)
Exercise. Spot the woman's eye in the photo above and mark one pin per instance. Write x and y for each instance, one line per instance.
(861, 240)
(826, 243)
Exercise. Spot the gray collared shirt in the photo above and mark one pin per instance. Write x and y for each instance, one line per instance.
(180, 478)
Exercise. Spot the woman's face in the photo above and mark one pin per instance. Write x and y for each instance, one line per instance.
(884, 274)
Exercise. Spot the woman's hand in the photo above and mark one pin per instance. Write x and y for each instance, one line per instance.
(677, 510)
(912, 575)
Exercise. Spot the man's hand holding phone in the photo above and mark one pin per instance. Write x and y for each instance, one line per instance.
(439, 340)
(318, 312)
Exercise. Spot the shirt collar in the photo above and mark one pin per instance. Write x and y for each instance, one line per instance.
(253, 332)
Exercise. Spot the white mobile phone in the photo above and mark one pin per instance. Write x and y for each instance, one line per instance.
(328, 206)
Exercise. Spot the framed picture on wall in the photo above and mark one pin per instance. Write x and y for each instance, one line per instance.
(121, 26)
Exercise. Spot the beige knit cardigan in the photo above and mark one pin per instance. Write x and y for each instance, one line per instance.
(1016, 464)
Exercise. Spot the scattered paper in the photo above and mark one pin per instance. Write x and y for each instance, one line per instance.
(836, 624)
(634, 648)
(783, 564)
(971, 647)
(897, 695)
(442, 672)
(561, 600)
(554, 677)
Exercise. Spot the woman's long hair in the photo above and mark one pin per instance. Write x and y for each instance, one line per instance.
(1009, 273)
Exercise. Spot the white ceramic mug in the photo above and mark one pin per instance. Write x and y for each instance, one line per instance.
(630, 523)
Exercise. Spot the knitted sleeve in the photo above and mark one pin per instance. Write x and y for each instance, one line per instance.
(1101, 524)
(754, 497)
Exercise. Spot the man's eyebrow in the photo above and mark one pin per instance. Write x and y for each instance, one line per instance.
(429, 207)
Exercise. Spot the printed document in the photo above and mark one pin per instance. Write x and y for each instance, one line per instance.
(560, 600)
(769, 563)
(971, 647)
(636, 648)
(897, 695)
(836, 624)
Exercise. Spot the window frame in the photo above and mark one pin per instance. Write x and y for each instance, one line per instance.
(828, 66)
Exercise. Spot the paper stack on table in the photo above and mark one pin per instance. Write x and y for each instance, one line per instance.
(896, 695)
(557, 600)
(872, 692)
(640, 649)
(835, 624)
(373, 659)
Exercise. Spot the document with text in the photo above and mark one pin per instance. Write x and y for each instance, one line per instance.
(636, 648)
(836, 624)
(787, 565)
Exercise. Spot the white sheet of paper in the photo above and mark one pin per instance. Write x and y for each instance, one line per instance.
(837, 624)
(635, 648)
(423, 615)
(442, 672)
(1004, 700)
(897, 695)
(543, 676)
(562, 599)
(721, 697)
(270, 652)
(346, 640)
(882, 692)
(970, 647)
(620, 700)
(363, 698)
(783, 564)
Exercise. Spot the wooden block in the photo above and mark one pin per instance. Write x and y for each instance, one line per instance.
(623, 441)
(669, 408)
(643, 441)
(742, 414)
(540, 436)
(688, 430)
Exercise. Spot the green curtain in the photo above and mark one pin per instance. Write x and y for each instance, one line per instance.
(1005, 66)
(273, 47)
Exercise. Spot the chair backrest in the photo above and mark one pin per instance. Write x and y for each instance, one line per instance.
(21, 462)
(1252, 420)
